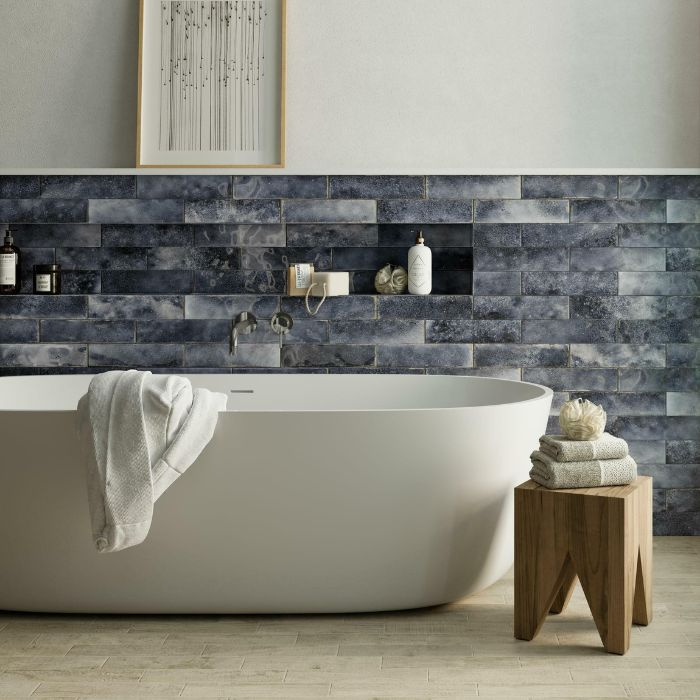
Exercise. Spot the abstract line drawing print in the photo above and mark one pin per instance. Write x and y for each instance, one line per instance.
(212, 70)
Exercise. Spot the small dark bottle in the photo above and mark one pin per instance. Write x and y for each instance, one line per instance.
(9, 266)
(47, 279)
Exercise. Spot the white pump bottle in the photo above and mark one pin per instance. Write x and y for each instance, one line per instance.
(420, 267)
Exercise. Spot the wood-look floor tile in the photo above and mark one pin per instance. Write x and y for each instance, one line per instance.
(243, 690)
(175, 661)
(107, 689)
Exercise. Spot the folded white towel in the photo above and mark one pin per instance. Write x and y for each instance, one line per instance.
(140, 432)
(563, 449)
(571, 475)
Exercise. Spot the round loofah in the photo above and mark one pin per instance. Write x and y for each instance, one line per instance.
(391, 279)
(582, 420)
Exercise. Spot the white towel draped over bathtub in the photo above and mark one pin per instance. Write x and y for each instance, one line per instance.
(140, 432)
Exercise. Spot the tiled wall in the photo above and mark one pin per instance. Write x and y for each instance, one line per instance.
(586, 284)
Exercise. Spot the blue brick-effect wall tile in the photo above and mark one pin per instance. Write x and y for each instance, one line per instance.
(588, 284)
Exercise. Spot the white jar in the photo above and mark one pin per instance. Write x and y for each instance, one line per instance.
(420, 267)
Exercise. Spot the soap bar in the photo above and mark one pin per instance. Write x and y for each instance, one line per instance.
(337, 284)
(297, 273)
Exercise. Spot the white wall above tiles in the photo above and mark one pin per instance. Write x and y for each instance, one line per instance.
(390, 86)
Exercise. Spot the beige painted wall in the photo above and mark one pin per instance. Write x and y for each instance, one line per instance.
(388, 85)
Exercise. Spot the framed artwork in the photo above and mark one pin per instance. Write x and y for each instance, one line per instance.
(211, 83)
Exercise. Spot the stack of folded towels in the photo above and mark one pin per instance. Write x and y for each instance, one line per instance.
(561, 463)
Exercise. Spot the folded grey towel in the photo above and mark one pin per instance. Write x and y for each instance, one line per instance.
(564, 450)
(572, 475)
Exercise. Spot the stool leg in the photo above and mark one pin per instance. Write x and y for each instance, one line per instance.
(561, 599)
(642, 593)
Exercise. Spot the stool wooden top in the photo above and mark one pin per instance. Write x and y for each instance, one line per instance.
(601, 491)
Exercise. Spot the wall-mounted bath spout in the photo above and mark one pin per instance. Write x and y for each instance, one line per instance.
(243, 324)
(281, 324)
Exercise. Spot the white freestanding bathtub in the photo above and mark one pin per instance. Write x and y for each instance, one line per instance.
(337, 493)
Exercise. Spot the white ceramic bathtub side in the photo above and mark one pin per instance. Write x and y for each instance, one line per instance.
(332, 510)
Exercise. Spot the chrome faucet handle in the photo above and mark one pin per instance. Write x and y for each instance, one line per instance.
(244, 324)
(281, 323)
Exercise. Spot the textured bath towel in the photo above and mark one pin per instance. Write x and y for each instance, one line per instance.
(139, 432)
(572, 475)
(562, 449)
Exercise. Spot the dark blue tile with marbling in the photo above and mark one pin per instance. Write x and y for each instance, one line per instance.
(648, 451)
(496, 235)
(377, 187)
(666, 476)
(497, 259)
(374, 370)
(682, 427)
(568, 379)
(42, 355)
(43, 210)
(88, 186)
(669, 379)
(375, 258)
(440, 235)
(332, 235)
(521, 355)
(507, 211)
(243, 235)
(135, 211)
(147, 282)
(424, 211)
(81, 282)
(424, 307)
(473, 187)
(282, 258)
(635, 307)
(444, 282)
(52, 235)
(682, 259)
(191, 258)
(627, 403)
(80, 331)
(638, 427)
(130, 355)
(683, 451)
(521, 307)
(29, 258)
(617, 355)
(106, 306)
(35, 306)
(659, 331)
(569, 331)
(146, 235)
(311, 211)
(570, 282)
(603, 259)
(228, 306)
(623, 210)
(184, 186)
(354, 307)
(660, 186)
(19, 331)
(242, 211)
(239, 282)
(280, 186)
(571, 186)
(660, 235)
(424, 355)
(569, 235)
(184, 331)
(685, 501)
(683, 307)
(469, 331)
(498, 283)
(512, 373)
(328, 356)
(683, 355)
(381, 332)
(19, 186)
(219, 355)
(662, 283)
(101, 258)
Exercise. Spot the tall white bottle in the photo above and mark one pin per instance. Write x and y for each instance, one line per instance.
(420, 267)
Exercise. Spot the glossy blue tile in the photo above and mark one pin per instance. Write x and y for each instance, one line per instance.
(627, 404)
(474, 187)
(80, 331)
(19, 331)
(515, 211)
(567, 379)
(663, 283)
(497, 235)
(520, 307)
(81, 282)
(64, 306)
(279, 186)
(147, 282)
(659, 331)
(424, 355)
(683, 451)
(19, 186)
(332, 211)
(623, 211)
(570, 283)
(660, 235)
(571, 186)
(239, 282)
(444, 282)
(101, 258)
(671, 379)
(135, 211)
(441, 235)
(108, 306)
(569, 331)
(282, 258)
(185, 331)
(602, 259)
(353, 307)
(497, 259)
(467, 331)
(335, 235)
(146, 235)
(377, 187)
(184, 186)
(244, 235)
(636, 307)
(43, 210)
(498, 283)
(130, 355)
(683, 355)
(521, 355)
(424, 307)
(570, 235)
(385, 332)
(682, 259)
(241, 211)
(190, 258)
(660, 186)
(424, 211)
(617, 355)
(683, 403)
(684, 501)
(202, 306)
(682, 307)
(512, 373)
(219, 355)
(42, 355)
(375, 258)
(88, 186)
(328, 356)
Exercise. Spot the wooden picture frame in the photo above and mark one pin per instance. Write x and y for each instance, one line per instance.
(228, 57)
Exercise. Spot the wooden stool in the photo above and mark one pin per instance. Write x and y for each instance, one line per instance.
(603, 536)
